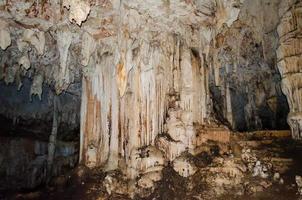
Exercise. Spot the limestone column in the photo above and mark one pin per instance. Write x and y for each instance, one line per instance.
(289, 54)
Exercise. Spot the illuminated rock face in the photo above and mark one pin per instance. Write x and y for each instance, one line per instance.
(143, 92)
(135, 119)
(290, 61)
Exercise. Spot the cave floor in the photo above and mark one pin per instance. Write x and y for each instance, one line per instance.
(277, 150)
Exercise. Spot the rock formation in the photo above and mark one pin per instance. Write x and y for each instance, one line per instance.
(289, 61)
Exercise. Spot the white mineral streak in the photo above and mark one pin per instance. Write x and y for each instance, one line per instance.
(78, 10)
(289, 56)
(5, 39)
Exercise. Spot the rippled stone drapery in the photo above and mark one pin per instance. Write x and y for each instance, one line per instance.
(116, 124)
(289, 56)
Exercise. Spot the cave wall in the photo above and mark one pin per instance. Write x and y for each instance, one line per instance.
(26, 124)
(26, 115)
(23, 162)
(244, 67)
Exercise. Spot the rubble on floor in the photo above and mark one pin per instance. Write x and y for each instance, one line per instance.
(251, 166)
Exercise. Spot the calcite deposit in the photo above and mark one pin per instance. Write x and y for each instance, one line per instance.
(143, 85)
(289, 61)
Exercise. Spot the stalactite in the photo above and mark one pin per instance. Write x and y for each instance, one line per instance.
(53, 138)
(37, 39)
(5, 39)
(36, 87)
(142, 88)
(217, 73)
(88, 154)
(142, 108)
(100, 129)
(10, 74)
(24, 62)
(229, 114)
(152, 79)
(204, 97)
(64, 39)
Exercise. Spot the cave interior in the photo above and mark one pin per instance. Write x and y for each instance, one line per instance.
(154, 99)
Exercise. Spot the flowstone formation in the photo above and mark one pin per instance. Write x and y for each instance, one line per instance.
(289, 61)
(140, 114)
(159, 79)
